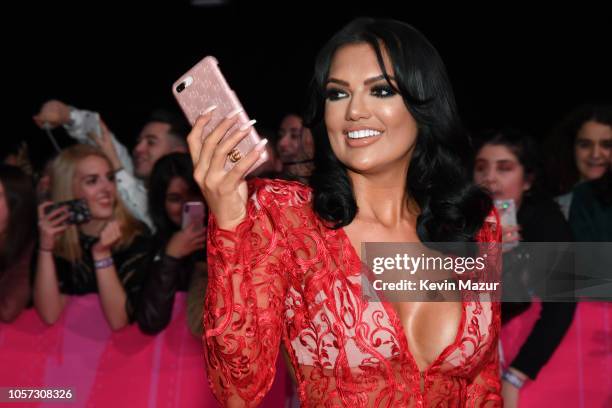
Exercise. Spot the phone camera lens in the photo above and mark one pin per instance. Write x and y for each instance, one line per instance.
(181, 87)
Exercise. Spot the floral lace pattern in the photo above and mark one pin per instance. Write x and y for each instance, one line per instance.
(283, 275)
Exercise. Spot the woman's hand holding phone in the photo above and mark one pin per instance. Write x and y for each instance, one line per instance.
(51, 225)
(186, 241)
(225, 191)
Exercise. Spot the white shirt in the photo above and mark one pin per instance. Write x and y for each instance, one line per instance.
(132, 190)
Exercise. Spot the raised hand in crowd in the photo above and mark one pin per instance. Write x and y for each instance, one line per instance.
(186, 241)
(105, 143)
(111, 233)
(225, 191)
(54, 113)
(51, 225)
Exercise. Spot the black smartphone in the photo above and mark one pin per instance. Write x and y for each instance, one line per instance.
(78, 210)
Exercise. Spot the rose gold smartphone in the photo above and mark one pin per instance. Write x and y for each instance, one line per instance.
(193, 213)
(203, 86)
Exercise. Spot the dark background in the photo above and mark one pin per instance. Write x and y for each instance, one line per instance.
(509, 66)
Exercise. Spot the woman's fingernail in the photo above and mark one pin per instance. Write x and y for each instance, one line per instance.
(261, 145)
(248, 125)
(234, 113)
(209, 109)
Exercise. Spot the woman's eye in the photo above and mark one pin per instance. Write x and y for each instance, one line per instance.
(383, 91)
(334, 94)
(583, 144)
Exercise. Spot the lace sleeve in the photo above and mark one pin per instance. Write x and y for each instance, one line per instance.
(485, 389)
(244, 303)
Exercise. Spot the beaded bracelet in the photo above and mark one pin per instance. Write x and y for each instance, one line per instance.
(104, 263)
(513, 379)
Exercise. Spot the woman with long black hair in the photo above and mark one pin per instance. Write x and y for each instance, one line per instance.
(284, 258)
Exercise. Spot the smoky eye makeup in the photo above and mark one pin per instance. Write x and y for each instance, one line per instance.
(333, 94)
(382, 91)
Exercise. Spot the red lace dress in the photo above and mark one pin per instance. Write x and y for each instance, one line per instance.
(282, 275)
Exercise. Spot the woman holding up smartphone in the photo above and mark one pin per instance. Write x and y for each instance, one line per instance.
(179, 255)
(284, 258)
(508, 164)
(105, 255)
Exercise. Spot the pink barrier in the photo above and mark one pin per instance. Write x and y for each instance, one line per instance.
(130, 369)
(106, 369)
(579, 373)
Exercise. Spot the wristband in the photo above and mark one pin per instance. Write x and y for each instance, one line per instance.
(104, 263)
(513, 379)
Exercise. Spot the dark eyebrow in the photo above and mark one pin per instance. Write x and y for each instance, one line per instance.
(366, 82)
(376, 79)
(504, 161)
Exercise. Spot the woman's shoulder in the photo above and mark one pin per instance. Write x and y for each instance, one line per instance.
(142, 242)
(281, 193)
(584, 193)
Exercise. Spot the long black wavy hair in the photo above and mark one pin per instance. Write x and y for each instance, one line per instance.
(452, 208)
(165, 169)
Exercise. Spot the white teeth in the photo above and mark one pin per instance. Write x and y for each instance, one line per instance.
(358, 134)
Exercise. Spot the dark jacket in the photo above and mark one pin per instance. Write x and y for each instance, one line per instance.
(131, 265)
(541, 220)
(165, 277)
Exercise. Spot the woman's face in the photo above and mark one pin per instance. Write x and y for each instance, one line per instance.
(370, 129)
(4, 211)
(294, 140)
(94, 181)
(499, 170)
(177, 194)
(593, 149)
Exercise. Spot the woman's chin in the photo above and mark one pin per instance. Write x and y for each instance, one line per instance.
(101, 214)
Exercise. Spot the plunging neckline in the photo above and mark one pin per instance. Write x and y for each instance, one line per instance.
(397, 323)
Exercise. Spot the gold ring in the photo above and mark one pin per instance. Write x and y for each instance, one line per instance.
(234, 155)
